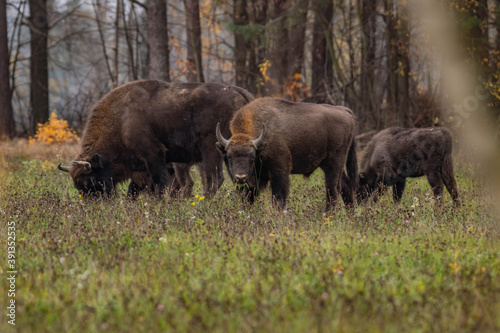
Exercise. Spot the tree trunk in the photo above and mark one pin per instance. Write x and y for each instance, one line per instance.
(297, 23)
(322, 70)
(368, 109)
(193, 32)
(403, 65)
(496, 57)
(258, 52)
(241, 44)
(478, 38)
(39, 85)
(7, 128)
(159, 65)
(117, 42)
(277, 43)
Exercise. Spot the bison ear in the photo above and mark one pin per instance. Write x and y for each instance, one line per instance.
(221, 148)
(97, 162)
(262, 147)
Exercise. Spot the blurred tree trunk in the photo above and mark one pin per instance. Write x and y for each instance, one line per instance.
(258, 19)
(496, 53)
(117, 42)
(322, 70)
(241, 43)
(297, 31)
(39, 84)
(403, 65)
(368, 108)
(277, 44)
(398, 61)
(193, 32)
(7, 128)
(478, 37)
(158, 64)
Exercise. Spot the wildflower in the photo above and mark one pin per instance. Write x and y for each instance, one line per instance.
(399, 229)
(376, 253)
(201, 198)
(79, 196)
(69, 216)
(340, 272)
(454, 267)
(272, 235)
(78, 235)
(197, 196)
(324, 295)
(160, 307)
(407, 221)
(145, 204)
(193, 203)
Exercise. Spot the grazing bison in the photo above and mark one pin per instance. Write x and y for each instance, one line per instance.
(139, 127)
(395, 154)
(273, 138)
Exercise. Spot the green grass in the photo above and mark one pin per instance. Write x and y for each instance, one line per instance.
(219, 265)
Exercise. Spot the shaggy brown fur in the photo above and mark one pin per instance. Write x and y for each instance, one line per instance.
(396, 153)
(298, 138)
(139, 127)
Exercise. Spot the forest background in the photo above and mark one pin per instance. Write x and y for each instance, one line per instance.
(391, 62)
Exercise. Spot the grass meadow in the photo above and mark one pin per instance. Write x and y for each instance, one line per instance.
(216, 265)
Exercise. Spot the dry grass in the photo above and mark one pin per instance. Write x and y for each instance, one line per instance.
(22, 149)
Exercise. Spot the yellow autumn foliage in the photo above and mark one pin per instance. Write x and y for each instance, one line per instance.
(54, 131)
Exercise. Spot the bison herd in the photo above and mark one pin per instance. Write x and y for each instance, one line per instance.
(152, 132)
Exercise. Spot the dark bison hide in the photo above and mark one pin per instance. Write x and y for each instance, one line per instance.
(395, 154)
(273, 138)
(137, 128)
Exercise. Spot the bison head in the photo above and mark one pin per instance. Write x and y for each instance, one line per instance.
(372, 178)
(91, 177)
(240, 152)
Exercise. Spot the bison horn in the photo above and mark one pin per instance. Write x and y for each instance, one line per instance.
(86, 165)
(220, 138)
(63, 168)
(258, 141)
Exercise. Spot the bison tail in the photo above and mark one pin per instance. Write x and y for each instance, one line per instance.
(352, 167)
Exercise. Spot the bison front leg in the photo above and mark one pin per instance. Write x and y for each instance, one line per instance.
(280, 188)
(397, 190)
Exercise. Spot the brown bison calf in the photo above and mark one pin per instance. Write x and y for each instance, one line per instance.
(395, 154)
(273, 138)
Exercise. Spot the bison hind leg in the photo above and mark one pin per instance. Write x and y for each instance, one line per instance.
(346, 191)
(449, 178)
(436, 183)
(182, 183)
